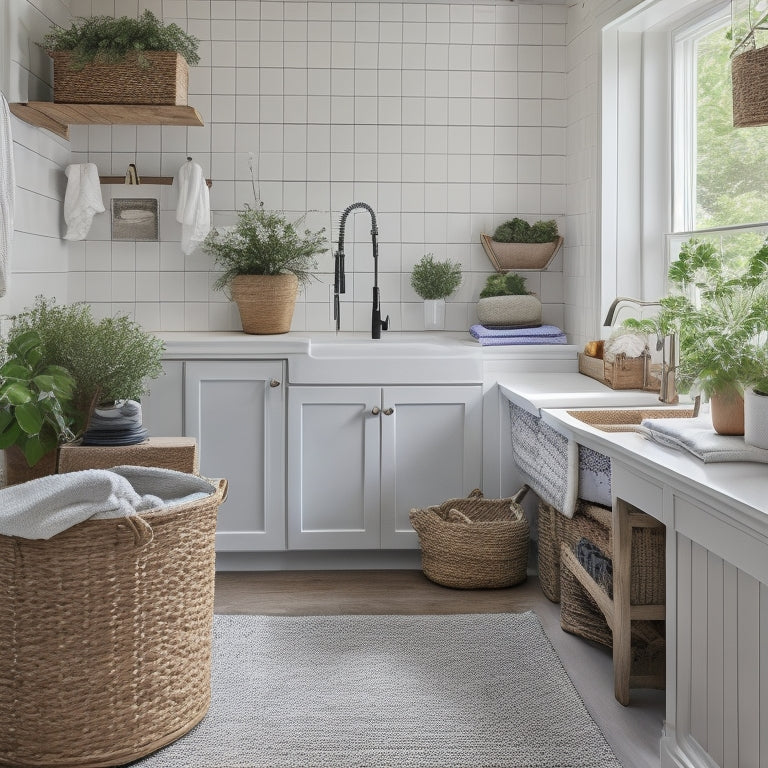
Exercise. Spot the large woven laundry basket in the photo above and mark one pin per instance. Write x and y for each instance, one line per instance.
(105, 637)
(474, 543)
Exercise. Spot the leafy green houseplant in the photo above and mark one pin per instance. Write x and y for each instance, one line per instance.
(109, 359)
(506, 302)
(108, 40)
(517, 244)
(264, 258)
(719, 314)
(36, 400)
(435, 279)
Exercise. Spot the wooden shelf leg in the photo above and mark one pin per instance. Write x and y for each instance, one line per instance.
(622, 635)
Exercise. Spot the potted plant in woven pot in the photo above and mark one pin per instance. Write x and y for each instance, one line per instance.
(719, 313)
(265, 258)
(505, 302)
(433, 281)
(107, 60)
(749, 62)
(36, 408)
(516, 244)
(110, 360)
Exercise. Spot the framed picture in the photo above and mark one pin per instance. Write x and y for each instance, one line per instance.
(134, 218)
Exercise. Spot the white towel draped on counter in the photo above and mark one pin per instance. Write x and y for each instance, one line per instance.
(7, 191)
(193, 210)
(82, 200)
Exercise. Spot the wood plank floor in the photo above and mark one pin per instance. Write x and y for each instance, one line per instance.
(632, 731)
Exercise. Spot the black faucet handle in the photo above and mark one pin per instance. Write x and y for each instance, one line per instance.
(385, 324)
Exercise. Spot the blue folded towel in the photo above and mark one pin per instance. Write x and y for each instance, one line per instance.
(543, 334)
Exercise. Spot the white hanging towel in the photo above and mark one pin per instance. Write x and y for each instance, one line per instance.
(7, 191)
(82, 200)
(193, 210)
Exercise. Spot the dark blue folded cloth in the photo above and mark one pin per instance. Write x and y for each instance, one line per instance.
(543, 334)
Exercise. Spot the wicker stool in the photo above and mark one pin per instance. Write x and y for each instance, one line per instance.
(474, 543)
(105, 632)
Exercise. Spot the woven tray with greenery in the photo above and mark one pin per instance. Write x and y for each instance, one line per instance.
(474, 543)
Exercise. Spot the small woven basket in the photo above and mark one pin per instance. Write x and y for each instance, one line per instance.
(105, 632)
(265, 302)
(520, 256)
(593, 522)
(749, 75)
(474, 543)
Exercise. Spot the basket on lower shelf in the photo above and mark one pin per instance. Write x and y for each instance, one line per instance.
(106, 636)
(593, 522)
(580, 616)
(474, 543)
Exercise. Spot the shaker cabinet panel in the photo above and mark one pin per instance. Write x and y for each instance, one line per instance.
(235, 410)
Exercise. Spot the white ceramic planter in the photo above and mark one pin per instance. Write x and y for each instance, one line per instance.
(434, 314)
(755, 419)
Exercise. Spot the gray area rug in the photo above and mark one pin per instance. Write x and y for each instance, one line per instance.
(458, 691)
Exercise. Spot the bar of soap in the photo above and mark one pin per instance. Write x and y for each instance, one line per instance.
(594, 349)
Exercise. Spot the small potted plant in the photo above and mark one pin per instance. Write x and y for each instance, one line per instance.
(110, 359)
(433, 281)
(719, 314)
(107, 60)
(506, 302)
(265, 258)
(36, 409)
(516, 244)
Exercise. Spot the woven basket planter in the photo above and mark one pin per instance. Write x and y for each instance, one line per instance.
(164, 81)
(473, 543)
(106, 637)
(749, 75)
(520, 256)
(509, 311)
(265, 302)
(593, 522)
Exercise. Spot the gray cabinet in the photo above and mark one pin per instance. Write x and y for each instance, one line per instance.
(359, 458)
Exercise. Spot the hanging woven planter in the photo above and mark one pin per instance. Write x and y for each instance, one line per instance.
(520, 256)
(749, 75)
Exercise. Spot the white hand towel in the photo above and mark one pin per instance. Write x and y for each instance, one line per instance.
(7, 191)
(82, 200)
(193, 210)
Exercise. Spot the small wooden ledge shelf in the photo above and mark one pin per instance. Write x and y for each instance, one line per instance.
(58, 117)
(164, 180)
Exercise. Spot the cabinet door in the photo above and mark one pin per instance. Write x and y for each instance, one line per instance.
(236, 412)
(333, 467)
(431, 451)
(162, 409)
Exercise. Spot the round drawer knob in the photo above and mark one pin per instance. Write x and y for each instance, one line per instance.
(389, 411)
(375, 410)
(274, 383)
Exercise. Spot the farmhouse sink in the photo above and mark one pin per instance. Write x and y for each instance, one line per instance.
(400, 345)
(627, 419)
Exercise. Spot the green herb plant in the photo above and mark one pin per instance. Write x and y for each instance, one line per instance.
(520, 231)
(105, 39)
(720, 315)
(36, 399)
(110, 359)
(264, 243)
(504, 284)
(435, 279)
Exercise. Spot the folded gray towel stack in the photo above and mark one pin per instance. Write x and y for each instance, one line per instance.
(120, 425)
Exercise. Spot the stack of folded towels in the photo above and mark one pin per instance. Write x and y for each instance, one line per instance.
(496, 336)
(119, 425)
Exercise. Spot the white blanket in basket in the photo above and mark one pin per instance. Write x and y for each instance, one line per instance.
(49, 505)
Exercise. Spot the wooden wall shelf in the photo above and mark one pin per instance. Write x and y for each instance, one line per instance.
(58, 117)
(164, 180)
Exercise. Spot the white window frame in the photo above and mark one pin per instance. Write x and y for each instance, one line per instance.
(637, 177)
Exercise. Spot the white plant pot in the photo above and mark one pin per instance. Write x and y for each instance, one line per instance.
(755, 419)
(434, 314)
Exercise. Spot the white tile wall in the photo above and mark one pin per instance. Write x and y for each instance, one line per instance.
(446, 118)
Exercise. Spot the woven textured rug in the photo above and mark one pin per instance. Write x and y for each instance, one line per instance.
(457, 691)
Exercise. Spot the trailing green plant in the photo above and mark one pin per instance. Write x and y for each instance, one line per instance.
(520, 231)
(105, 39)
(748, 19)
(435, 279)
(110, 359)
(264, 243)
(720, 316)
(36, 399)
(504, 284)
